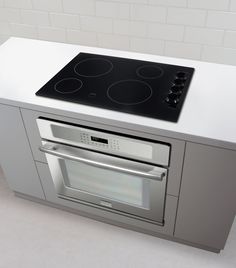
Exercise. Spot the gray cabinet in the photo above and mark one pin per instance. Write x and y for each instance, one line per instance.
(205, 199)
(15, 154)
(208, 195)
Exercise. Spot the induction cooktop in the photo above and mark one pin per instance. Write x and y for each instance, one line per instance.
(138, 87)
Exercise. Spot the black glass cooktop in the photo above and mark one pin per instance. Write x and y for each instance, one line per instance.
(131, 86)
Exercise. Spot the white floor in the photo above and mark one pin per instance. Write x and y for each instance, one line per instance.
(33, 235)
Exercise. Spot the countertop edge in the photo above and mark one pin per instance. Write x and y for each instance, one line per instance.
(125, 125)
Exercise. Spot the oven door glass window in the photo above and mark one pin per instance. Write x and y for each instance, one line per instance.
(107, 184)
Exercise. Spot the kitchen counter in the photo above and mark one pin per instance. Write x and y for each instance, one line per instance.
(207, 117)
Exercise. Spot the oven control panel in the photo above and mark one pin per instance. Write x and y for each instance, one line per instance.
(129, 147)
(105, 142)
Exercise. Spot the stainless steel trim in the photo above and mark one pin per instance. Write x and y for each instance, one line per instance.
(55, 150)
(160, 223)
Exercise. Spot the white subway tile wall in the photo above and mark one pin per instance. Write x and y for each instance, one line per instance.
(195, 29)
(233, 5)
(32, 17)
(10, 15)
(230, 39)
(52, 34)
(18, 3)
(48, 5)
(65, 21)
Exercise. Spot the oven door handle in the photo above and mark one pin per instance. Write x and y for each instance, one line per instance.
(154, 174)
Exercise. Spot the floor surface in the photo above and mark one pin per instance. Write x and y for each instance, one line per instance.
(34, 235)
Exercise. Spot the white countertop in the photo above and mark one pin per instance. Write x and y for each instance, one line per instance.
(209, 111)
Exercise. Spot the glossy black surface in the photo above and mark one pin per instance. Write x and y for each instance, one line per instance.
(132, 86)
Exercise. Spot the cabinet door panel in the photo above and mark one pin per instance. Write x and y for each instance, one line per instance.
(15, 155)
(208, 195)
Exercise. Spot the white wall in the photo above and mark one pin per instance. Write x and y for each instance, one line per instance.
(195, 29)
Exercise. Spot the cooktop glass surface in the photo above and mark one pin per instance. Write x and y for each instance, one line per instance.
(144, 88)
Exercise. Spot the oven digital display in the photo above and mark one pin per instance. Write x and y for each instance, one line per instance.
(96, 139)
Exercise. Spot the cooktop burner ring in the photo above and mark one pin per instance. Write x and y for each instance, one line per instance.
(145, 92)
(149, 71)
(93, 67)
(74, 84)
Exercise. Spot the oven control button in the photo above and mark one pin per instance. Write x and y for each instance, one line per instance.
(114, 145)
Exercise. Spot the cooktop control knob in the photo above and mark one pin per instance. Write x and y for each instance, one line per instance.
(182, 76)
(179, 82)
(176, 89)
(172, 99)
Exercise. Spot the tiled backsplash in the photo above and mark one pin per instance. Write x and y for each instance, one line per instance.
(194, 29)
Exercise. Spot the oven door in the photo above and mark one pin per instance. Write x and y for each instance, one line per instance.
(112, 183)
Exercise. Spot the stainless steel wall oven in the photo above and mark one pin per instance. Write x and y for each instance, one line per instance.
(115, 172)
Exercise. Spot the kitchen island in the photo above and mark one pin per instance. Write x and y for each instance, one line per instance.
(201, 185)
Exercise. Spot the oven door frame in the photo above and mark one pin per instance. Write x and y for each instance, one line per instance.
(156, 177)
